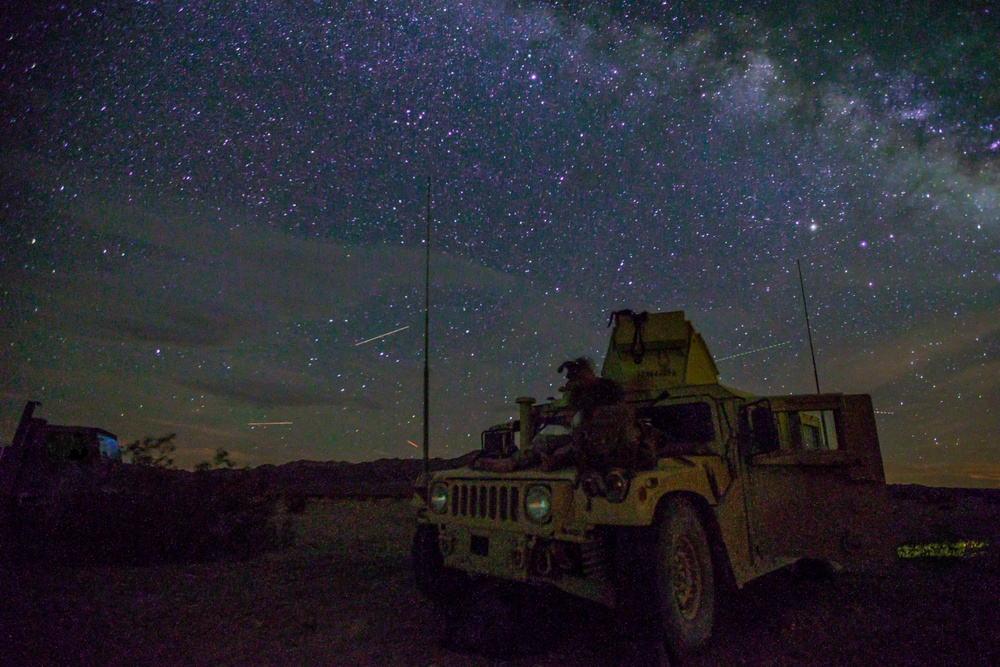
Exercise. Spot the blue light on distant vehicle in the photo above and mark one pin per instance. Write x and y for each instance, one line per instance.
(108, 447)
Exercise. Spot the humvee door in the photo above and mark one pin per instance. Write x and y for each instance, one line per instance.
(815, 482)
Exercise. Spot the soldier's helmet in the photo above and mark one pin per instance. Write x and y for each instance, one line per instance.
(579, 372)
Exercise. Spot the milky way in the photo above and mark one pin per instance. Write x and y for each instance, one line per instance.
(207, 204)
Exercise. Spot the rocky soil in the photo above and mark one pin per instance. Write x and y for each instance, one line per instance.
(344, 595)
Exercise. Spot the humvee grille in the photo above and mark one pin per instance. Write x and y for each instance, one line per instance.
(486, 501)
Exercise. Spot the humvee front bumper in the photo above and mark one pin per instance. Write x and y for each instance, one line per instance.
(578, 565)
(481, 551)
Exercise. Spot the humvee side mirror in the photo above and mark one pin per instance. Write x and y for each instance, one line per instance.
(758, 434)
(743, 429)
(765, 435)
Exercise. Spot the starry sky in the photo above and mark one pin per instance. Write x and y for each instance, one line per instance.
(205, 206)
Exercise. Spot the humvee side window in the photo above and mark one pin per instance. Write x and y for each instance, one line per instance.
(686, 422)
(808, 430)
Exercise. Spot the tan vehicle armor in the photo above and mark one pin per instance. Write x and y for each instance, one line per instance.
(652, 486)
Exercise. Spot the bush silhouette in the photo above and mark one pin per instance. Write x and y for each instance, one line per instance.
(220, 460)
(142, 514)
(150, 451)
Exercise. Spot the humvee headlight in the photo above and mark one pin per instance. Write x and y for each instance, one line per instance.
(538, 504)
(617, 484)
(439, 498)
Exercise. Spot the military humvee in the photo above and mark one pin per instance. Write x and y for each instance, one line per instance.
(39, 447)
(742, 485)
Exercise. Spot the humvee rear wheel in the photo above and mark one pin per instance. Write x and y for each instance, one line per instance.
(685, 581)
(814, 569)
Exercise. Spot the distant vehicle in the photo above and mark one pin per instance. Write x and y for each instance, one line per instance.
(38, 445)
(735, 487)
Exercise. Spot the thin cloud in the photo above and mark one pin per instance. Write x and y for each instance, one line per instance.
(271, 394)
(923, 348)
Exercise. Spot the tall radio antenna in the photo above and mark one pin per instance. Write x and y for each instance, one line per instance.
(427, 327)
(805, 308)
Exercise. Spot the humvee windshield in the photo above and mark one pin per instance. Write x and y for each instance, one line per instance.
(684, 422)
(67, 446)
(501, 440)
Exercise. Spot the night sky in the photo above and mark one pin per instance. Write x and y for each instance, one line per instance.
(204, 206)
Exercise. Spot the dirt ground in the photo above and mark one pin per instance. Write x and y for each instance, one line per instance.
(344, 595)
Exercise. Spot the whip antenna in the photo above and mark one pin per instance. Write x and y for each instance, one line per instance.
(805, 308)
(427, 320)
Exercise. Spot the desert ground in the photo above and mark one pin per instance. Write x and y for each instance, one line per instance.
(343, 594)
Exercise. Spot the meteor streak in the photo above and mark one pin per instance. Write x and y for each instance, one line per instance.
(410, 442)
(269, 423)
(759, 349)
(382, 335)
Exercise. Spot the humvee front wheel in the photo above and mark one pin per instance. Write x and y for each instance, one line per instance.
(435, 581)
(685, 582)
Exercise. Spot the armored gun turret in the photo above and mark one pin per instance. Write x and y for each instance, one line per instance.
(652, 352)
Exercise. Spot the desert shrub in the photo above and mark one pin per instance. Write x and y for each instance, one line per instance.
(220, 460)
(150, 451)
(295, 503)
(143, 514)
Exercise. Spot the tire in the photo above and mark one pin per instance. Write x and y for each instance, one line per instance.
(685, 579)
(428, 563)
(435, 582)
